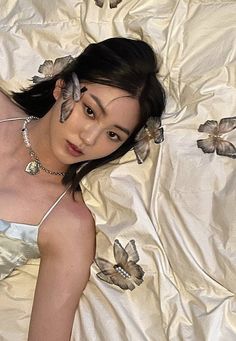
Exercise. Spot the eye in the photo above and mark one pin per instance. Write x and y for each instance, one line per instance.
(89, 112)
(113, 136)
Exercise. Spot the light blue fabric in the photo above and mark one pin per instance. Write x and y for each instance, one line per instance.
(18, 242)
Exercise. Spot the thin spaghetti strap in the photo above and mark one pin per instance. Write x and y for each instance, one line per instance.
(63, 193)
(12, 119)
(52, 207)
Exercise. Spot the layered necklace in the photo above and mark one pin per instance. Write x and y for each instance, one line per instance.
(35, 165)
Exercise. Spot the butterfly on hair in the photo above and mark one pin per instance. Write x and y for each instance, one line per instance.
(50, 68)
(152, 130)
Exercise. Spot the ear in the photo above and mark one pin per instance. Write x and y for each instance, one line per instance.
(58, 87)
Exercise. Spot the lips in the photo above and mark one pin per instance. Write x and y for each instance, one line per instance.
(73, 149)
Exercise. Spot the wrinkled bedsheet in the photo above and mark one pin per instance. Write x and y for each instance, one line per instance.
(178, 208)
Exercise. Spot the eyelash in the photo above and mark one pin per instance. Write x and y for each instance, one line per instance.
(87, 109)
(117, 137)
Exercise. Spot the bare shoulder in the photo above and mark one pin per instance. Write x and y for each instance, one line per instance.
(70, 228)
(83, 211)
(8, 109)
(78, 213)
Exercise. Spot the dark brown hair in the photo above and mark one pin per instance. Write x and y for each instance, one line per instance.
(124, 63)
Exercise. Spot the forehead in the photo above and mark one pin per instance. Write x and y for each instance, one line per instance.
(109, 94)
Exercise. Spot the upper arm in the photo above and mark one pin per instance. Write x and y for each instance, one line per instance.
(67, 251)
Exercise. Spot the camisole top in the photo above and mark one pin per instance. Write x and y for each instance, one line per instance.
(18, 242)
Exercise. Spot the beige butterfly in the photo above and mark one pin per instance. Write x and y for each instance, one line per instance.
(112, 3)
(71, 93)
(50, 68)
(214, 142)
(126, 272)
(152, 130)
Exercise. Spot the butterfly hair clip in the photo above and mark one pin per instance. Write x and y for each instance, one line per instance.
(215, 142)
(71, 94)
(49, 68)
(152, 130)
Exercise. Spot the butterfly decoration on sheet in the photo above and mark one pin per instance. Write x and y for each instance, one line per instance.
(50, 68)
(126, 272)
(215, 142)
(71, 93)
(152, 130)
(112, 3)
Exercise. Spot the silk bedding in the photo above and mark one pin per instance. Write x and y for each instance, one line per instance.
(173, 215)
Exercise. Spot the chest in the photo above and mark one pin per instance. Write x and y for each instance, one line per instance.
(25, 198)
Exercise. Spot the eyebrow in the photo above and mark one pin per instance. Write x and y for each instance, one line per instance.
(99, 103)
(126, 131)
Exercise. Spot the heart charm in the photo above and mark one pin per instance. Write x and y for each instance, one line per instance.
(32, 168)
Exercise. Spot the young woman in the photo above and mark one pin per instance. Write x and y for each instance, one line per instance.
(51, 135)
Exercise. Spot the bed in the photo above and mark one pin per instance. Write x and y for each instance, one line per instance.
(177, 209)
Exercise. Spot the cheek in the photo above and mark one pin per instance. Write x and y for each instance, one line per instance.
(104, 147)
(111, 148)
(57, 129)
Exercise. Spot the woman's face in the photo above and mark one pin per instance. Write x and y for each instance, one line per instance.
(100, 123)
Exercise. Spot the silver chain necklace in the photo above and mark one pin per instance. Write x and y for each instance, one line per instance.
(34, 166)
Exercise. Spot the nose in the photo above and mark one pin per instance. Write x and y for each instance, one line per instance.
(89, 135)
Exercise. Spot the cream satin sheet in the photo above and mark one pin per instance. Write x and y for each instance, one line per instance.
(179, 206)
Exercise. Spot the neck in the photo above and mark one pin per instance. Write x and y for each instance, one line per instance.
(39, 138)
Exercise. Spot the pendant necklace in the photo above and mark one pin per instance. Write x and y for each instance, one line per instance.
(35, 165)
